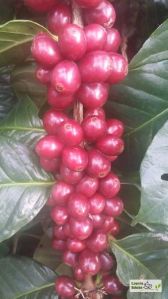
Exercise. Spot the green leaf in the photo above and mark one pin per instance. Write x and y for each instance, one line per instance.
(154, 204)
(141, 256)
(15, 40)
(141, 101)
(24, 186)
(22, 278)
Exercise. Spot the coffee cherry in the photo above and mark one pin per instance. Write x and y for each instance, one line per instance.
(98, 165)
(81, 230)
(59, 245)
(45, 50)
(119, 68)
(59, 215)
(40, 5)
(75, 158)
(43, 75)
(95, 112)
(93, 127)
(60, 16)
(87, 3)
(60, 193)
(115, 127)
(93, 95)
(70, 176)
(113, 40)
(107, 224)
(97, 242)
(107, 262)
(69, 258)
(114, 207)
(57, 100)
(87, 186)
(50, 165)
(65, 77)
(71, 133)
(97, 204)
(72, 42)
(49, 147)
(98, 220)
(103, 14)
(75, 245)
(58, 232)
(96, 37)
(52, 119)
(89, 262)
(110, 145)
(78, 274)
(115, 228)
(112, 285)
(67, 230)
(78, 206)
(95, 67)
(65, 286)
(109, 186)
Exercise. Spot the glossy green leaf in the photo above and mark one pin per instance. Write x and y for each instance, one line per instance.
(22, 278)
(142, 256)
(154, 181)
(141, 101)
(15, 40)
(24, 186)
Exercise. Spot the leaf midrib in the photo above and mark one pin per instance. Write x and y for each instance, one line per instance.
(37, 183)
(35, 290)
(21, 129)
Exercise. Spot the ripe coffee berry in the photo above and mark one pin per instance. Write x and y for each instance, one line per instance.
(78, 274)
(58, 245)
(97, 242)
(114, 207)
(60, 193)
(52, 119)
(95, 67)
(81, 230)
(95, 112)
(119, 68)
(112, 285)
(70, 176)
(49, 147)
(45, 50)
(58, 232)
(43, 75)
(65, 286)
(87, 186)
(71, 133)
(109, 186)
(40, 5)
(103, 14)
(72, 42)
(107, 262)
(110, 145)
(59, 101)
(113, 40)
(93, 127)
(65, 77)
(70, 258)
(50, 165)
(75, 158)
(115, 228)
(97, 203)
(93, 95)
(98, 166)
(96, 37)
(59, 215)
(87, 3)
(60, 16)
(89, 262)
(115, 127)
(78, 206)
(75, 245)
(98, 220)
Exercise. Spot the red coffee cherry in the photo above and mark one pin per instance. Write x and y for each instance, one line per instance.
(50, 165)
(60, 193)
(70, 176)
(114, 207)
(59, 215)
(98, 220)
(52, 119)
(45, 50)
(58, 245)
(115, 127)
(93, 127)
(107, 262)
(95, 112)
(60, 16)
(78, 206)
(119, 69)
(98, 166)
(78, 274)
(69, 258)
(40, 5)
(58, 232)
(103, 14)
(97, 242)
(96, 37)
(87, 186)
(109, 186)
(113, 40)
(75, 245)
(97, 204)
(75, 158)
(49, 147)
(81, 229)
(115, 228)
(43, 75)
(109, 145)
(65, 286)
(65, 77)
(71, 133)
(58, 100)
(72, 42)
(112, 285)
(89, 262)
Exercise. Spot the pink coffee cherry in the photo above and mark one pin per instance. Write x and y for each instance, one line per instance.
(96, 37)
(58, 100)
(65, 286)
(75, 158)
(119, 68)
(109, 185)
(113, 40)
(58, 17)
(52, 119)
(49, 147)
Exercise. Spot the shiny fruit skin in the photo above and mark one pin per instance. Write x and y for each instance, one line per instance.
(71, 133)
(58, 245)
(59, 101)
(109, 145)
(87, 186)
(75, 158)
(109, 186)
(98, 165)
(93, 127)
(107, 262)
(89, 262)
(45, 50)
(60, 193)
(75, 245)
(119, 69)
(96, 37)
(59, 215)
(113, 40)
(69, 258)
(115, 127)
(70, 176)
(114, 207)
(112, 285)
(97, 204)
(81, 229)
(52, 119)
(97, 242)
(50, 165)
(60, 16)
(65, 286)
(78, 206)
(95, 112)
(49, 147)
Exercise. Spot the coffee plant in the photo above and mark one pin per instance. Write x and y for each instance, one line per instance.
(83, 148)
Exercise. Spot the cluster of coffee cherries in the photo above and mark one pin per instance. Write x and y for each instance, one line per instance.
(79, 148)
